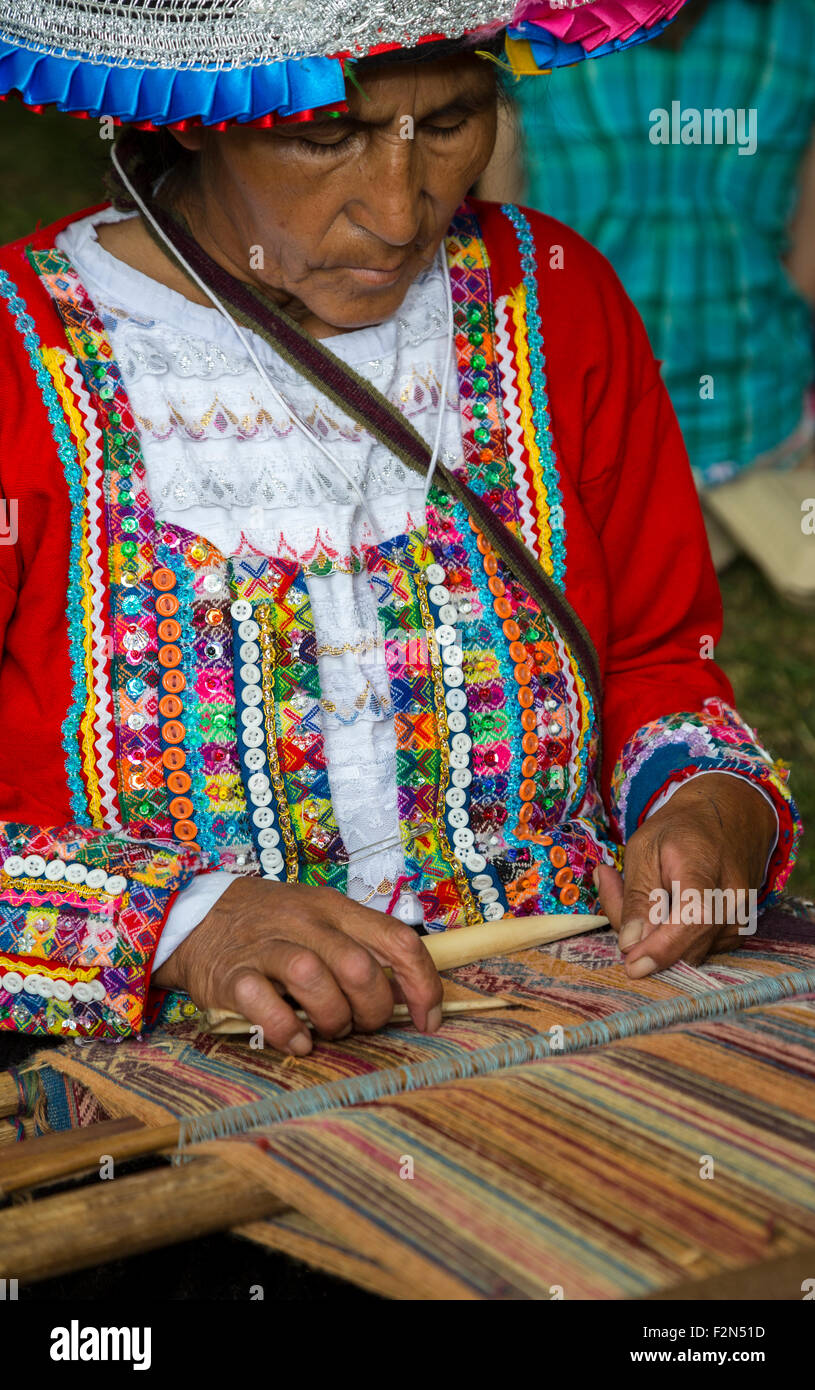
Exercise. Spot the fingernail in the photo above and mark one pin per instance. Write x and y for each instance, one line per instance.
(595, 878)
(643, 966)
(631, 933)
(434, 1019)
(299, 1045)
(345, 1032)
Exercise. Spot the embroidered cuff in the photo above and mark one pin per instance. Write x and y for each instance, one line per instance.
(81, 912)
(670, 750)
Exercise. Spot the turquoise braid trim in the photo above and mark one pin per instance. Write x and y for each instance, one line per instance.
(540, 397)
(69, 458)
(359, 1090)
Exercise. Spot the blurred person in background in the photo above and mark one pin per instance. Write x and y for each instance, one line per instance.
(714, 242)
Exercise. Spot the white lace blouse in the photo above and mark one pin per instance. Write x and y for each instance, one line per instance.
(224, 460)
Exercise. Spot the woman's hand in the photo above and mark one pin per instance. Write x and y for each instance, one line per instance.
(263, 939)
(714, 833)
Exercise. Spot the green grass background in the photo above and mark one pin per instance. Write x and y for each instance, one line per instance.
(51, 165)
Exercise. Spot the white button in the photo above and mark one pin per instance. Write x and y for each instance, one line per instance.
(480, 881)
(83, 992)
(452, 656)
(434, 574)
(241, 610)
(453, 675)
(458, 818)
(408, 908)
(262, 797)
(463, 838)
(455, 719)
(115, 884)
(263, 817)
(45, 988)
(438, 594)
(454, 796)
(62, 990)
(253, 738)
(249, 651)
(258, 782)
(462, 743)
(445, 635)
(250, 674)
(31, 984)
(476, 862)
(14, 866)
(448, 613)
(268, 839)
(493, 912)
(255, 758)
(249, 631)
(34, 865)
(489, 895)
(455, 699)
(55, 870)
(252, 695)
(272, 861)
(97, 878)
(461, 777)
(97, 989)
(459, 759)
(12, 982)
(251, 716)
(136, 722)
(76, 873)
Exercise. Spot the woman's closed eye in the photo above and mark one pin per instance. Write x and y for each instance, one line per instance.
(342, 142)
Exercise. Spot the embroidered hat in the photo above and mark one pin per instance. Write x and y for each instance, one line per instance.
(167, 62)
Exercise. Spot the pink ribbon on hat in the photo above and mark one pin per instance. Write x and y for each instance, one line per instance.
(595, 23)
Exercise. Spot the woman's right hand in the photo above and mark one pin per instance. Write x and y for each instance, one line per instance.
(263, 939)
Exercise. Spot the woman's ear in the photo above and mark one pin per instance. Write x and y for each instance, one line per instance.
(191, 140)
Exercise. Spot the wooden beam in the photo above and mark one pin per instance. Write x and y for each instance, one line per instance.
(772, 1280)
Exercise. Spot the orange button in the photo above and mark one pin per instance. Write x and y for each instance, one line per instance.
(564, 876)
(473, 525)
(511, 630)
(166, 605)
(502, 606)
(558, 856)
(529, 766)
(497, 587)
(185, 829)
(526, 790)
(174, 758)
(569, 896)
(173, 731)
(174, 681)
(163, 579)
(170, 706)
(529, 720)
(490, 565)
(526, 813)
(522, 673)
(178, 782)
(483, 544)
(169, 630)
(517, 651)
(181, 808)
(525, 697)
(169, 655)
(529, 742)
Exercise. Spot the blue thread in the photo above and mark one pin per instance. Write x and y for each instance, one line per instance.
(540, 397)
(69, 459)
(336, 1095)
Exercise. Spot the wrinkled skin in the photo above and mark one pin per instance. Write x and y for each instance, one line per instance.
(348, 212)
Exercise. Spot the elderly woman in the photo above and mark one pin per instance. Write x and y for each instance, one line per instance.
(356, 584)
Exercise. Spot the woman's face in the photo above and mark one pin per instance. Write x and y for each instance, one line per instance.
(347, 211)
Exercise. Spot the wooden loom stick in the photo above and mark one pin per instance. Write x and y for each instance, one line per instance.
(233, 1023)
(9, 1095)
(90, 1225)
(450, 949)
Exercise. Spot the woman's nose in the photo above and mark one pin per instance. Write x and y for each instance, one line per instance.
(391, 207)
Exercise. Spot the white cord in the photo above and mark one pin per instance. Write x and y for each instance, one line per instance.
(304, 429)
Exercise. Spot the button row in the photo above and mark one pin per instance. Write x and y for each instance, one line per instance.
(42, 985)
(252, 735)
(171, 707)
(34, 866)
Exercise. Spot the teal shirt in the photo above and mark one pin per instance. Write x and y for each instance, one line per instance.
(696, 232)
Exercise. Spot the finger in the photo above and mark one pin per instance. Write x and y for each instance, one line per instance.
(250, 993)
(356, 973)
(642, 883)
(688, 935)
(398, 945)
(306, 974)
(609, 883)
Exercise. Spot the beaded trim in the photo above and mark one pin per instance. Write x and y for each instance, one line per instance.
(67, 452)
(540, 400)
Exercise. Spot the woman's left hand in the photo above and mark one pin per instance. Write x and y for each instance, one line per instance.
(714, 833)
